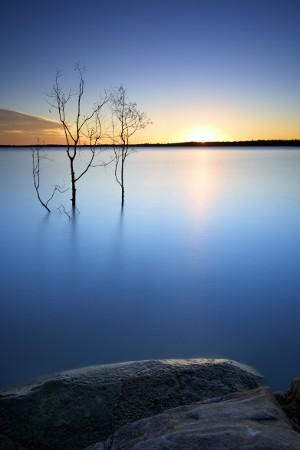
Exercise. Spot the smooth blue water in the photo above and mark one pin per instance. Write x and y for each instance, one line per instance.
(204, 261)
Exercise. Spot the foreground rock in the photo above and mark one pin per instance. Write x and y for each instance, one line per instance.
(80, 407)
(290, 403)
(252, 420)
(8, 444)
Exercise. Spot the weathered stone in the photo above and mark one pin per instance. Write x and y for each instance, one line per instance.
(251, 420)
(290, 403)
(76, 408)
(8, 444)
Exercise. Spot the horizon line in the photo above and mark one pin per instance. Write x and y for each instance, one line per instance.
(252, 142)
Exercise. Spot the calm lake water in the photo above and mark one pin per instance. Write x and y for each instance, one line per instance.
(204, 261)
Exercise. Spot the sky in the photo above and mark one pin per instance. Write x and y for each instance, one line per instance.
(200, 69)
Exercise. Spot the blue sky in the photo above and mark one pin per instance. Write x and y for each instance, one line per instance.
(228, 67)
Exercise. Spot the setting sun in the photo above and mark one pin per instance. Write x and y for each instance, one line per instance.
(203, 135)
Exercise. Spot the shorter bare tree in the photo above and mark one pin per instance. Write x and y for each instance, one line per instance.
(36, 160)
(83, 129)
(127, 119)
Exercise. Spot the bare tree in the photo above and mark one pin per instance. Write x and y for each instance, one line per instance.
(126, 121)
(84, 129)
(36, 159)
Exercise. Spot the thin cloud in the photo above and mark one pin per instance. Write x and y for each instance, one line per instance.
(17, 127)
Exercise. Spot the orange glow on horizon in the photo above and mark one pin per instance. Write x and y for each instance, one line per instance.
(24, 129)
(204, 134)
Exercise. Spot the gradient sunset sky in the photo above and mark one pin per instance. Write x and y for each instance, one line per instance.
(200, 69)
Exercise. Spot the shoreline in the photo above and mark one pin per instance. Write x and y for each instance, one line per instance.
(247, 143)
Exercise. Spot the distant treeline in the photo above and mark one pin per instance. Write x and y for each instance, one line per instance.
(256, 143)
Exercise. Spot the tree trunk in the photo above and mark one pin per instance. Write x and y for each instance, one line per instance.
(122, 183)
(73, 185)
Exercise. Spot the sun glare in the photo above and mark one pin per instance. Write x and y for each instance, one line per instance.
(203, 135)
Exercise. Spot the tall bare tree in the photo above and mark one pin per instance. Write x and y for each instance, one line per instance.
(83, 129)
(127, 119)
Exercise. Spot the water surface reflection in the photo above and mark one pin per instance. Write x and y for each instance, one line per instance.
(203, 260)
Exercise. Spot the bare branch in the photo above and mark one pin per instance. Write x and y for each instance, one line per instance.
(36, 158)
(126, 121)
(82, 126)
